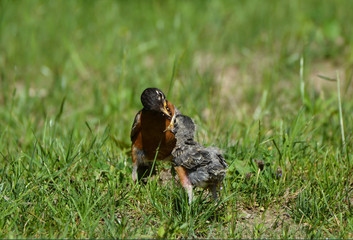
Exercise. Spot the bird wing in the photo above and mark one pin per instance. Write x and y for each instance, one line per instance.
(136, 126)
(191, 156)
(218, 168)
(219, 155)
(222, 160)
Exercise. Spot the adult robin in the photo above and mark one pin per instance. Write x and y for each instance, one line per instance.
(196, 165)
(149, 139)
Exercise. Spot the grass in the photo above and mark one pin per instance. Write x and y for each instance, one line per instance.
(71, 75)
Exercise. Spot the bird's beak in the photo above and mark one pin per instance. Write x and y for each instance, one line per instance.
(164, 109)
(171, 125)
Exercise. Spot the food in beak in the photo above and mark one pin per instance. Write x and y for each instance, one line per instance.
(171, 124)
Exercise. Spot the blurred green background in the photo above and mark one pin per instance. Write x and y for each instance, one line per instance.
(102, 54)
(71, 75)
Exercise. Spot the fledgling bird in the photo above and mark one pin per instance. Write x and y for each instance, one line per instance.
(148, 136)
(196, 165)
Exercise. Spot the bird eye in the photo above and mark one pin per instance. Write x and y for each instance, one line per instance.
(160, 96)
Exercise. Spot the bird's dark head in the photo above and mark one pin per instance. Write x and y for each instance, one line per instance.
(183, 127)
(154, 99)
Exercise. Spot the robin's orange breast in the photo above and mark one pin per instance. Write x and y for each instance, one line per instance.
(154, 137)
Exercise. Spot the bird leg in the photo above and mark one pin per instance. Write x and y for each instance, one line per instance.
(141, 171)
(136, 158)
(185, 182)
(213, 188)
(140, 168)
(134, 171)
